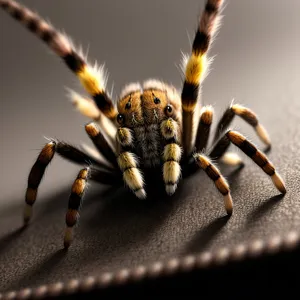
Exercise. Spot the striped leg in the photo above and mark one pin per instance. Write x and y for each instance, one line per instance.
(38, 169)
(92, 78)
(75, 201)
(171, 155)
(196, 69)
(220, 182)
(250, 150)
(128, 163)
(204, 128)
(101, 143)
(247, 115)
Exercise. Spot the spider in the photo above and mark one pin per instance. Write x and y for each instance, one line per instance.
(152, 126)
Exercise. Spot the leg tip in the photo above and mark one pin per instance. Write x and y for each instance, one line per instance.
(228, 204)
(141, 194)
(67, 244)
(68, 237)
(279, 183)
(27, 214)
(170, 189)
(26, 221)
(263, 135)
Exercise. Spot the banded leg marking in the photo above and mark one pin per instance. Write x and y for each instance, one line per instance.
(38, 169)
(258, 157)
(101, 143)
(247, 115)
(171, 155)
(196, 69)
(75, 201)
(215, 175)
(92, 78)
(204, 126)
(128, 163)
(35, 176)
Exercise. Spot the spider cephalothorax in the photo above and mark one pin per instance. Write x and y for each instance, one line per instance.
(150, 119)
(153, 126)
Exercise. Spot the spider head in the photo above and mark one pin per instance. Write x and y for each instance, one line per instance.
(129, 106)
(152, 103)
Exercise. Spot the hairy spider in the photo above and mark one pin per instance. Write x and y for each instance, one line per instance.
(153, 126)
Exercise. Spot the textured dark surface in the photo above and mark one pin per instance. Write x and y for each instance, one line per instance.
(258, 64)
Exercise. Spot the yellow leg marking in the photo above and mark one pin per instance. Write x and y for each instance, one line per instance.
(85, 106)
(124, 136)
(91, 80)
(169, 129)
(126, 160)
(171, 171)
(207, 114)
(195, 68)
(232, 159)
(172, 152)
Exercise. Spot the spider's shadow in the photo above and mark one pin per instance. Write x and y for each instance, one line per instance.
(113, 221)
(263, 209)
(124, 221)
(202, 238)
(39, 271)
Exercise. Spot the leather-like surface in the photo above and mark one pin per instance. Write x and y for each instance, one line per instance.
(117, 230)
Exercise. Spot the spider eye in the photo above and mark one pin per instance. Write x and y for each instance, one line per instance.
(156, 100)
(168, 110)
(128, 105)
(120, 119)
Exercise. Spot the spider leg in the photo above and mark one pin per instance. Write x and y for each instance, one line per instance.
(75, 201)
(88, 108)
(102, 143)
(196, 69)
(247, 115)
(204, 128)
(92, 78)
(171, 155)
(45, 157)
(250, 150)
(128, 163)
(220, 182)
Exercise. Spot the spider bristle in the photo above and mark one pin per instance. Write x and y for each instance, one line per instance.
(84, 105)
(154, 84)
(130, 88)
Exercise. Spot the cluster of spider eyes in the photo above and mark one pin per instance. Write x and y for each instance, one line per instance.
(168, 110)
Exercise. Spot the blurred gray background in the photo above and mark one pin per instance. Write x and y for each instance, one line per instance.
(257, 58)
(257, 63)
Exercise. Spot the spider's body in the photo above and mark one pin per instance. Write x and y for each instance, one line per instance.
(153, 125)
(143, 109)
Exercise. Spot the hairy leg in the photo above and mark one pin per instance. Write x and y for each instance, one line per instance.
(204, 128)
(215, 175)
(75, 201)
(196, 69)
(247, 115)
(171, 155)
(92, 78)
(38, 169)
(128, 163)
(251, 151)
(102, 143)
